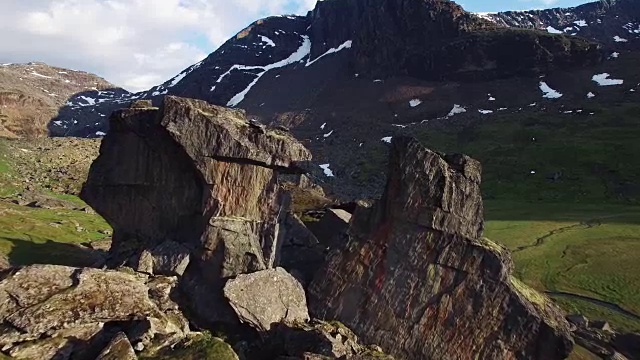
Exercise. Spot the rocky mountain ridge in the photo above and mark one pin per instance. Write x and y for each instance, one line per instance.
(31, 95)
(333, 77)
(351, 28)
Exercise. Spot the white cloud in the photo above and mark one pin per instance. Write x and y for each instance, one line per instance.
(133, 43)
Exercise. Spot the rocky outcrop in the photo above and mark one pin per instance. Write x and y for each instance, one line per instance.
(417, 278)
(202, 177)
(266, 298)
(31, 94)
(118, 349)
(169, 258)
(59, 312)
(438, 39)
(599, 338)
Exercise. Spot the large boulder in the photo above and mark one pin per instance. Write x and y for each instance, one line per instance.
(266, 298)
(47, 311)
(200, 176)
(417, 278)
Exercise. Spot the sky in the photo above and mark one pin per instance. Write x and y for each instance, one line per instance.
(137, 44)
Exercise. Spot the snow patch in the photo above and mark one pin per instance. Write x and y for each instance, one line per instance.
(328, 134)
(549, 93)
(486, 16)
(100, 133)
(346, 45)
(615, 55)
(327, 171)
(40, 75)
(603, 80)
(90, 101)
(485, 112)
(323, 125)
(415, 102)
(581, 23)
(268, 41)
(590, 95)
(303, 51)
(619, 39)
(552, 30)
(387, 139)
(457, 109)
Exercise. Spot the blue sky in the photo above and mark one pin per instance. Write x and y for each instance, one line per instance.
(137, 44)
(502, 5)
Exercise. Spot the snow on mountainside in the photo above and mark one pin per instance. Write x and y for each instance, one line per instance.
(349, 74)
(31, 94)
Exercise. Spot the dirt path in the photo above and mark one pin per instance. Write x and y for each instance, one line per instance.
(611, 306)
(587, 224)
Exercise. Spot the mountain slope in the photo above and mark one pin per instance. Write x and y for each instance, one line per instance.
(349, 75)
(31, 94)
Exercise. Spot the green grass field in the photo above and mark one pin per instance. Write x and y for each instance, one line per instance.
(34, 235)
(30, 235)
(588, 250)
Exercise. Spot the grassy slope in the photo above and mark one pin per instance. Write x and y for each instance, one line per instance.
(597, 155)
(595, 255)
(32, 235)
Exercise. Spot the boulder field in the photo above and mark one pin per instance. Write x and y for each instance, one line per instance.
(204, 238)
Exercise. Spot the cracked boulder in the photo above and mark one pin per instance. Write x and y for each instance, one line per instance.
(417, 278)
(49, 311)
(200, 176)
(266, 298)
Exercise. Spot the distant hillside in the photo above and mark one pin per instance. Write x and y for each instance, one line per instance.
(31, 95)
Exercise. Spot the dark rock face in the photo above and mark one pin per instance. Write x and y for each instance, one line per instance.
(418, 279)
(436, 40)
(202, 177)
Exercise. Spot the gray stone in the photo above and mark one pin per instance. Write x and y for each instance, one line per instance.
(118, 349)
(267, 297)
(601, 325)
(168, 258)
(578, 320)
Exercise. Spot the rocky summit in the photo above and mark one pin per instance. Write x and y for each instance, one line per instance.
(417, 277)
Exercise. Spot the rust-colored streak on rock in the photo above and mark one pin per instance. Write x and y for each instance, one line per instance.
(417, 277)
